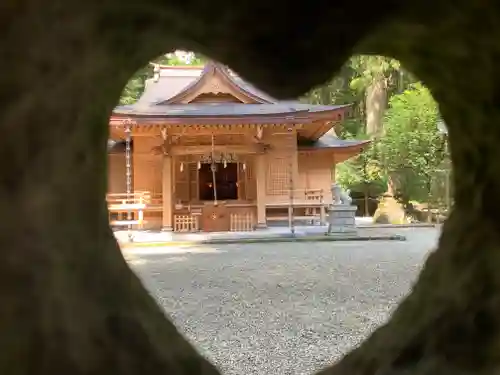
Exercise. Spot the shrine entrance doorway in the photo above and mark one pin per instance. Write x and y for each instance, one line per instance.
(225, 186)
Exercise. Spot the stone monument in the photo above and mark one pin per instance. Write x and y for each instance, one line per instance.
(341, 214)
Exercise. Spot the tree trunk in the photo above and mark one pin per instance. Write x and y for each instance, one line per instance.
(70, 304)
(325, 97)
(366, 208)
(376, 103)
(429, 200)
(390, 186)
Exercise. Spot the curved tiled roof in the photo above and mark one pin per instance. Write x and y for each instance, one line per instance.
(331, 141)
(238, 83)
(168, 86)
(156, 91)
(172, 83)
(220, 109)
(252, 89)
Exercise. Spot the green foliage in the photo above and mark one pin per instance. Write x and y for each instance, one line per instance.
(352, 128)
(350, 84)
(180, 59)
(362, 173)
(412, 148)
(409, 149)
(135, 86)
(338, 91)
(368, 68)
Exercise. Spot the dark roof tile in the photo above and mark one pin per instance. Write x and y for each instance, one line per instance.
(330, 141)
(163, 89)
(218, 109)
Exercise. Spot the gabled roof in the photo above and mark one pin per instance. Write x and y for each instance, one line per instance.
(163, 93)
(245, 86)
(173, 83)
(215, 69)
(169, 83)
(167, 98)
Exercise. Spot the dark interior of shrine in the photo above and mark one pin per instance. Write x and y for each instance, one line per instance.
(226, 181)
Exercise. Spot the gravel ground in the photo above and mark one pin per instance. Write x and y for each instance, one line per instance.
(288, 308)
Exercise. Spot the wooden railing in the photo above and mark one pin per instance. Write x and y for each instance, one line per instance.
(186, 223)
(138, 199)
(300, 197)
(136, 203)
(242, 222)
(311, 202)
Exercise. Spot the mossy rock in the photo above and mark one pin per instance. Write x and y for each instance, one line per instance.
(389, 211)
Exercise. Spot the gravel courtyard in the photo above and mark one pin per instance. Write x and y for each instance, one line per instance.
(289, 308)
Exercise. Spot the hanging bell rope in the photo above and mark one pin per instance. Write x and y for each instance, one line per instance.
(213, 169)
(128, 171)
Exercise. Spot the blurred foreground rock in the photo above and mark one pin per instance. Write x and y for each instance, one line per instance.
(70, 303)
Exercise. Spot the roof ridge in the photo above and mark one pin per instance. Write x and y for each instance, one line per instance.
(180, 67)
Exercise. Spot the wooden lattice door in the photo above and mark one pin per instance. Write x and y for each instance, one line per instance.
(193, 182)
(181, 183)
(278, 177)
(242, 183)
(251, 188)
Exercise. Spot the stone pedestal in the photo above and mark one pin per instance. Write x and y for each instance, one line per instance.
(261, 226)
(341, 219)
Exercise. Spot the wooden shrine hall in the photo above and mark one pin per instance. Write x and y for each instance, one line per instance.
(207, 151)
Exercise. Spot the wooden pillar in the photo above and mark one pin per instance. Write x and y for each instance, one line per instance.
(260, 181)
(167, 192)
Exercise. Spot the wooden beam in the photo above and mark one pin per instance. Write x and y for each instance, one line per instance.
(212, 129)
(316, 132)
(207, 149)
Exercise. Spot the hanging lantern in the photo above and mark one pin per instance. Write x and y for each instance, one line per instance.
(181, 168)
(199, 165)
(225, 163)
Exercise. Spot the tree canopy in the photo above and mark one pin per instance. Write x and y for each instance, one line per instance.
(412, 147)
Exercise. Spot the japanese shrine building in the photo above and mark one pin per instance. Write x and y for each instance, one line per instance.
(211, 152)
